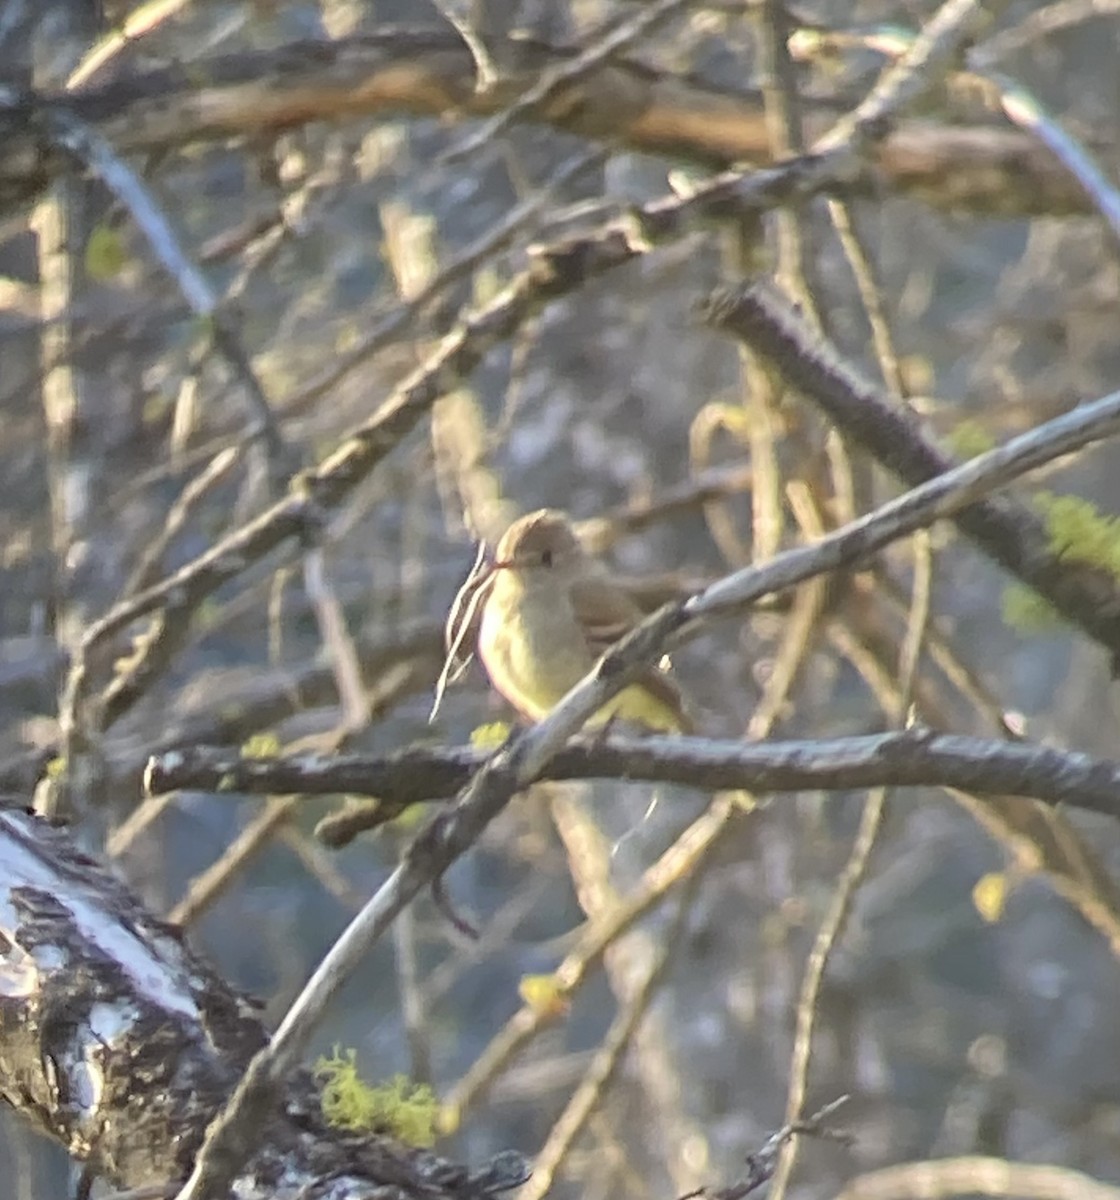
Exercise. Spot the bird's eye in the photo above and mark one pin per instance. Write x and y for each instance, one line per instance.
(546, 558)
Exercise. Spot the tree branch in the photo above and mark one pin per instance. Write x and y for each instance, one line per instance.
(1006, 531)
(257, 94)
(120, 1044)
(914, 757)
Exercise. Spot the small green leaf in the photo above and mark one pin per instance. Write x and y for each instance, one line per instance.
(106, 255)
(490, 736)
(969, 438)
(261, 745)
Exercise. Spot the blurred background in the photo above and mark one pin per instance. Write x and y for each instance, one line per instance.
(969, 1003)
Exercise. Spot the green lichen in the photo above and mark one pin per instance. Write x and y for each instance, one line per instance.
(397, 1107)
(490, 736)
(410, 818)
(1079, 533)
(106, 253)
(1025, 611)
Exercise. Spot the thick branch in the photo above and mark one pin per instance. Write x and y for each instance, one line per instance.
(1007, 531)
(121, 1045)
(912, 758)
(987, 169)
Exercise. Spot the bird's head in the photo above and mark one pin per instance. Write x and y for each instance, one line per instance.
(539, 547)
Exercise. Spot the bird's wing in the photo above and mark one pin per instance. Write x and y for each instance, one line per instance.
(606, 614)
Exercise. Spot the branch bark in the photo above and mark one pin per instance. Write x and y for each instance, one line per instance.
(1008, 532)
(981, 168)
(909, 758)
(122, 1045)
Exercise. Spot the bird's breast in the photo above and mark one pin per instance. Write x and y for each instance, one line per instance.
(532, 648)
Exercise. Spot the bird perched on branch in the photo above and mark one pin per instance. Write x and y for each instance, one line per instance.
(550, 612)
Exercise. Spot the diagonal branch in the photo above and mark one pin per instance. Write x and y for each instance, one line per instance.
(90, 148)
(1005, 530)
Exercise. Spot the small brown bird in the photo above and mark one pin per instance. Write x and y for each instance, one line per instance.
(550, 613)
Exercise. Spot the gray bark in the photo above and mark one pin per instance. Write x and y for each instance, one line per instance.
(119, 1043)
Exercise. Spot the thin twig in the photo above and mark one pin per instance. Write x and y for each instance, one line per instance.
(486, 72)
(566, 73)
(605, 1064)
(843, 896)
(1021, 107)
(135, 25)
(339, 645)
(917, 70)
(657, 1069)
(460, 623)
(798, 630)
(977, 1175)
(148, 565)
(760, 1164)
(206, 888)
(87, 145)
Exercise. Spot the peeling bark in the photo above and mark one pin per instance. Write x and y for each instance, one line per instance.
(119, 1043)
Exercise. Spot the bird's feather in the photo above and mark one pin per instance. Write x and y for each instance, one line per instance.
(606, 614)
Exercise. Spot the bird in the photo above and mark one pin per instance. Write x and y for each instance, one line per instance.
(550, 612)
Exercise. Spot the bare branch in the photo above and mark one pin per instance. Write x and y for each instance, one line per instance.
(908, 758)
(646, 18)
(1019, 105)
(89, 147)
(761, 1164)
(924, 63)
(1008, 533)
(262, 93)
(979, 1175)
